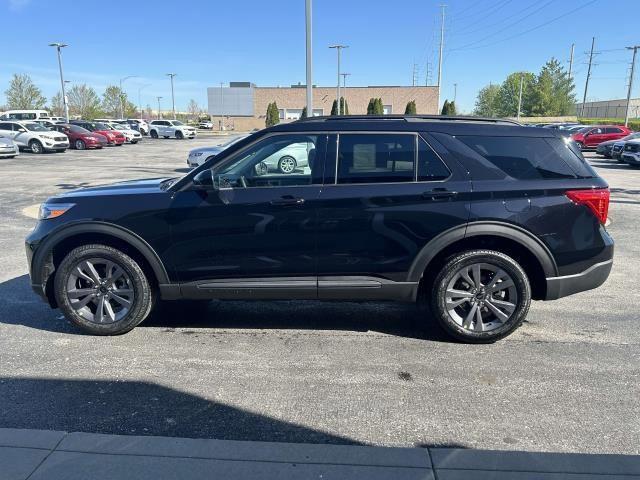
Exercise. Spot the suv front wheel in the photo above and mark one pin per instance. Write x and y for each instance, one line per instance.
(480, 296)
(102, 290)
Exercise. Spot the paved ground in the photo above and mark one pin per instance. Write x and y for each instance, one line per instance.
(52, 455)
(312, 372)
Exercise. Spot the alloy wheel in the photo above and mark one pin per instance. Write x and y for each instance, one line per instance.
(100, 290)
(481, 297)
(287, 164)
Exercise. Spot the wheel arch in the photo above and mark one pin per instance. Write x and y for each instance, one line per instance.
(524, 247)
(49, 255)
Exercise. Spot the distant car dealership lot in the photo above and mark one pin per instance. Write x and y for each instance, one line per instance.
(333, 372)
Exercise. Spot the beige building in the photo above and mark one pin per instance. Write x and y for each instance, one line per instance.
(244, 105)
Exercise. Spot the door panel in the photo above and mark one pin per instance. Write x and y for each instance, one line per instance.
(377, 229)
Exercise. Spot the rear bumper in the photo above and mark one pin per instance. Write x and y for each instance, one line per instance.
(593, 277)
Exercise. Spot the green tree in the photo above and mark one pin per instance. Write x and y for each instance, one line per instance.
(84, 101)
(112, 100)
(378, 108)
(23, 94)
(344, 106)
(273, 116)
(445, 108)
(507, 99)
(371, 106)
(304, 113)
(334, 108)
(486, 101)
(410, 109)
(452, 108)
(552, 92)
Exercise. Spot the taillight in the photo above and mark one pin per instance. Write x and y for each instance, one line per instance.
(596, 199)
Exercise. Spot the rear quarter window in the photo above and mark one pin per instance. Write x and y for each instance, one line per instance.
(525, 158)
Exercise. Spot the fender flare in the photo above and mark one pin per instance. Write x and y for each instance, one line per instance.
(474, 229)
(46, 247)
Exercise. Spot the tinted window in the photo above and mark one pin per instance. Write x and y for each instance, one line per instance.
(376, 158)
(5, 126)
(77, 129)
(430, 167)
(523, 158)
(612, 130)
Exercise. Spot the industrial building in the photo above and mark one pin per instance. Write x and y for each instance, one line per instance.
(243, 105)
(609, 109)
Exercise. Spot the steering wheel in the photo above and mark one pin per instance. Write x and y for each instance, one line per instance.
(243, 181)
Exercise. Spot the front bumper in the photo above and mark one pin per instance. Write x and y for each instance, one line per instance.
(9, 152)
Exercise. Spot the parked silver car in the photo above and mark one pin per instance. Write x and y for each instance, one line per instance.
(34, 136)
(198, 156)
(8, 148)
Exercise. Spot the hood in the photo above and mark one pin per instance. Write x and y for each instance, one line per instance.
(214, 150)
(132, 187)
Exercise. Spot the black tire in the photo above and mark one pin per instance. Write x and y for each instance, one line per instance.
(287, 160)
(447, 274)
(153, 134)
(36, 147)
(179, 135)
(143, 294)
(165, 136)
(79, 144)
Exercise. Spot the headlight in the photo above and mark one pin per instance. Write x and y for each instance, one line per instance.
(197, 154)
(53, 210)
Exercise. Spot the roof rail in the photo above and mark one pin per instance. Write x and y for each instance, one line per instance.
(410, 118)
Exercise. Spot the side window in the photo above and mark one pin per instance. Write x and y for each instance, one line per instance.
(376, 158)
(596, 131)
(612, 130)
(278, 160)
(5, 126)
(524, 158)
(430, 167)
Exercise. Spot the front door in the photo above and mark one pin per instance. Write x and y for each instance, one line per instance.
(254, 230)
(386, 198)
(595, 137)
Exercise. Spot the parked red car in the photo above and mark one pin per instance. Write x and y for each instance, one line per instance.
(81, 138)
(594, 135)
(113, 137)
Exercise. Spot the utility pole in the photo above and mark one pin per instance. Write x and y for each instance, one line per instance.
(442, 7)
(414, 75)
(338, 48)
(586, 83)
(173, 101)
(221, 106)
(633, 64)
(520, 95)
(122, 80)
(309, 26)
(60, 46)
(427, 73)
(573, 45)
(159, 98)
(455, 92)
(344, 94)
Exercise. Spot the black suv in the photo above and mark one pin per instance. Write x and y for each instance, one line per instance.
(475, 216)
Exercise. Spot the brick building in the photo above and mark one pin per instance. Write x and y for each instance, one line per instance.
(244, 105)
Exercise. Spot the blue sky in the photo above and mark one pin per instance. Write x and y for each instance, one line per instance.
(209, 41)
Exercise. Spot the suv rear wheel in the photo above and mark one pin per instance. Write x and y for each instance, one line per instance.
(36, 147)
(179, 135)
(480, 296)
(102, 290)
(153, 134)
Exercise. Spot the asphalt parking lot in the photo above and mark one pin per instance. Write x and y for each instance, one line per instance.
(317, 372)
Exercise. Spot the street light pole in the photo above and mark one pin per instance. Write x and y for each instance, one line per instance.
(344, 86)
(520, 95)
(139, 101)
(633, 65)
(60, 46)
(173, 101)
(122, 94)
(338, 48)
(308, 24)
(159, 98)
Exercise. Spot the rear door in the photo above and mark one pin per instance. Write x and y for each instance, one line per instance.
(6, 130)
(386, 195)
(595, 137)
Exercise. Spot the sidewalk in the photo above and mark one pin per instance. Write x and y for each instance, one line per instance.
(50, 455)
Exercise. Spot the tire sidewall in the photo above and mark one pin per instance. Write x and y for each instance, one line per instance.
(80, 145)
(40, 147)
(141, 288)
(287, 157)
(498, 259)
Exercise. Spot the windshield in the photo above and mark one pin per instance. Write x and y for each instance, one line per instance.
(233, 140)
(632, 136)
(77, 129)
(36, 127)
(100, 126)
(177, 123)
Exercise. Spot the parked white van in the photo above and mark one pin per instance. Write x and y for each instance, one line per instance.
(24, 115)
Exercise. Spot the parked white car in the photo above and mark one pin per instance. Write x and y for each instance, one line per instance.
(171, 128)
(206, 124)
(8, 148)
(34, 136)
(139, 124)
(132, 136)
(199, 155)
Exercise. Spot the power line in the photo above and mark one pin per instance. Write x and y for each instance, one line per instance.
(485, 27)
(487, 12)
(534, 28)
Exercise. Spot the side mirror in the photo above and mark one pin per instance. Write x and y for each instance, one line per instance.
(261, 169)
(22, 130)
(203, 180)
